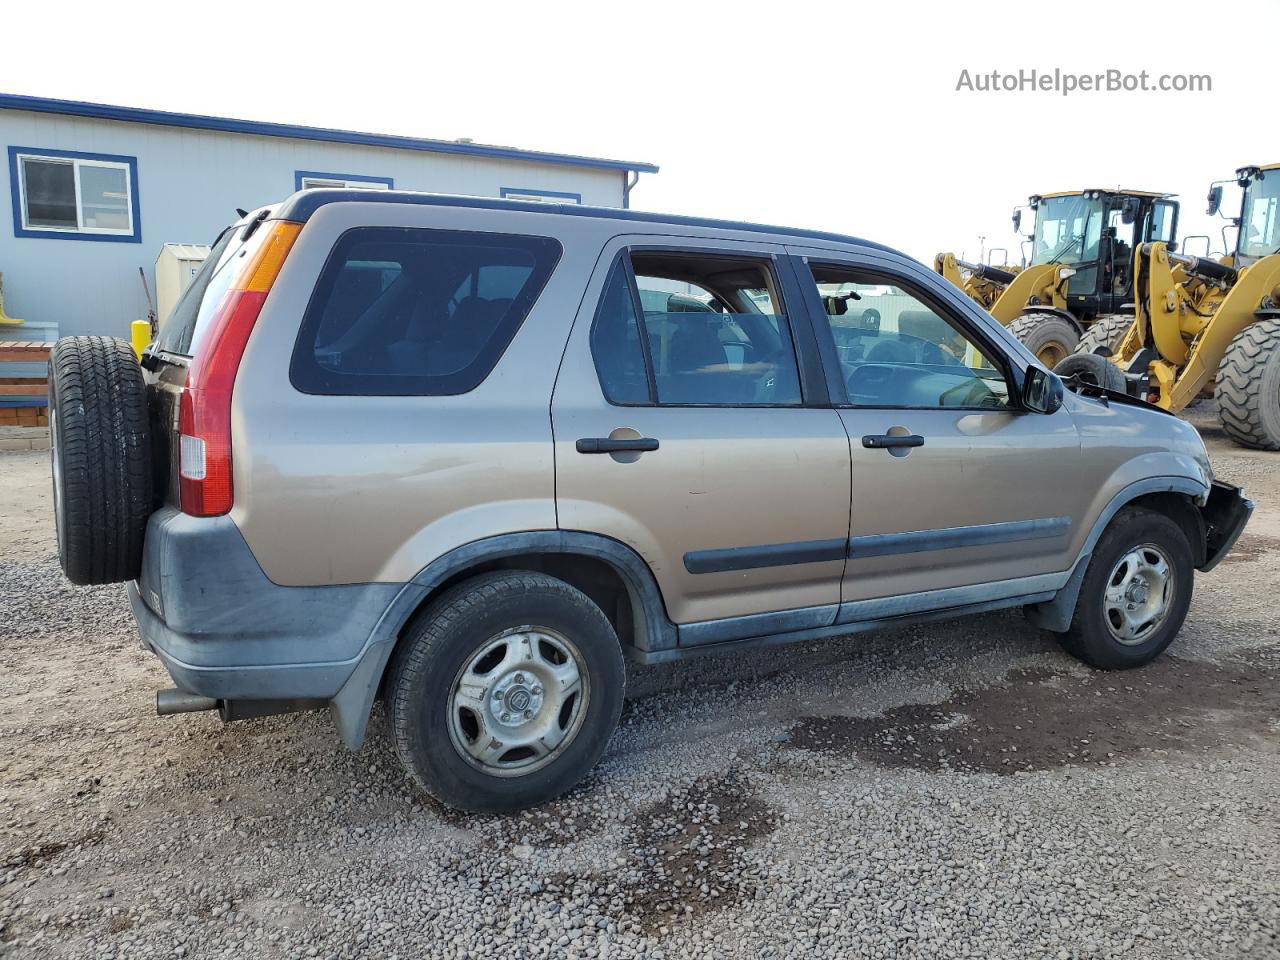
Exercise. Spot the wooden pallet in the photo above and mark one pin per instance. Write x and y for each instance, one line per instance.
(23, 351)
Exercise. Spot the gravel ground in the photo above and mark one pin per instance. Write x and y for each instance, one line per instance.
(955, 790)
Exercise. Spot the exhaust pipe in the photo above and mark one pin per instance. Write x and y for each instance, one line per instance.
(173, 700)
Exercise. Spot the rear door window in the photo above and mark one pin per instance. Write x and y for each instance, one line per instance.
(689, 329)
(413, 312)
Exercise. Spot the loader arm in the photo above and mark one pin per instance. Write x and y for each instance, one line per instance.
(1190, 311)
(1040, 283)
(1004, 292)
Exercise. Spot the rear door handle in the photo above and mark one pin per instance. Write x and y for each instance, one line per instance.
(610, 445)
(884, 441)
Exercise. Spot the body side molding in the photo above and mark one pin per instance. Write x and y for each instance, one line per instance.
(874, 545)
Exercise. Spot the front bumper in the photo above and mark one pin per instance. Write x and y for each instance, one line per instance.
(1225, 513)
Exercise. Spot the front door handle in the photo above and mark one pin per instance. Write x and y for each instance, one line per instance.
(886, 441)
(622, 445)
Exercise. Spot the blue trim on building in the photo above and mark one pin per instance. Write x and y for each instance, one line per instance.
(102, 111)
(42, 234)
(357, 177)
(549, 194)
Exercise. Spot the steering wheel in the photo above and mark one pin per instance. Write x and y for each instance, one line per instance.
(975, 391)
(931, 353)
(868, 381)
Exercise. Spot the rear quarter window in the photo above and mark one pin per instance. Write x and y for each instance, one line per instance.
(414, 312)
(180, 331)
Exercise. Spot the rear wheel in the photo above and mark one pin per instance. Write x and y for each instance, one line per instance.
(100, 449)
(1248, 386)
(505, 692)
(1049, 336)
(1105, 332)
(1135, 594)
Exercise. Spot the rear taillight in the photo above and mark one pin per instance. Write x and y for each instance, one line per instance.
(204, 415)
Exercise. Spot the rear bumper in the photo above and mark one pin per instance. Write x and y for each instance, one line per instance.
(1225, 513)
(226, 631)
(222, 673)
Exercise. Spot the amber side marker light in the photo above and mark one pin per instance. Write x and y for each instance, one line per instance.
(204, 418)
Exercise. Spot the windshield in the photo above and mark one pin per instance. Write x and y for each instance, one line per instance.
(1260, 221)
(1067, 230)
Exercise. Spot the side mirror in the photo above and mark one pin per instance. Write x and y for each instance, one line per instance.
(1129, 213)
(1017, 219)
(1215, 199)
(1041, 391)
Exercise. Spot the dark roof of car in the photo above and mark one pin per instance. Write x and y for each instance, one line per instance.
(301, 205)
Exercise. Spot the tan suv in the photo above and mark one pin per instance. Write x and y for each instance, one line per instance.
(465, 455)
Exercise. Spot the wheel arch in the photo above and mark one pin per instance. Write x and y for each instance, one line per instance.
(1177, 497)
(612, 574)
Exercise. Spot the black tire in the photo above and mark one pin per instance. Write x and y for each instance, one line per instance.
(1090, 637)
(1093, 369)
(1049, 336)
(1248, 386)
(1105, 333)
(100, 448)
(429, 663)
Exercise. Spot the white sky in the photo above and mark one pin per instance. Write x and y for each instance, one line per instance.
(842, 117)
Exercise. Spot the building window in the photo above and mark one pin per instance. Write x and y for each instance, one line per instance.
(307, 179)
(74, 196)
(539, 196)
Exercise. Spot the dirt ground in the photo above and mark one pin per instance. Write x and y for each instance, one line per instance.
(959, 789)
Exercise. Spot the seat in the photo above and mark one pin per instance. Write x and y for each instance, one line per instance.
(698, 369)
(437, 345)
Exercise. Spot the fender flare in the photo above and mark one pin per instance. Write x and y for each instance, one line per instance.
(1056, 614)
(654, 629)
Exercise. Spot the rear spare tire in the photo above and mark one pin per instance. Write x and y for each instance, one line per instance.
(101, 452)
(1248, 386)
(1049, 336)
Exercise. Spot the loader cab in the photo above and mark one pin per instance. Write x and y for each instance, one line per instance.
(1259, 233)
(1095, 232)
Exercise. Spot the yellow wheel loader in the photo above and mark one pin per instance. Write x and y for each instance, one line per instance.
(1203, 327)
(1080, 270)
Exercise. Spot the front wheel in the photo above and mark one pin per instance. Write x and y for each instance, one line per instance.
(1135, 594)
(1106, 333)
(1248, 386)
(1049, 336)
(505, 692)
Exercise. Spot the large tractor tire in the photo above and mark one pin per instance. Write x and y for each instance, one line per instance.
(1248, 386)
(1093, 369)
(1105, 332)
(101, 451)
(1049, 336)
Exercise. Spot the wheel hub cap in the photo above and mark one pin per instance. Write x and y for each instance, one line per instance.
(518, 701)
(1139, 594)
